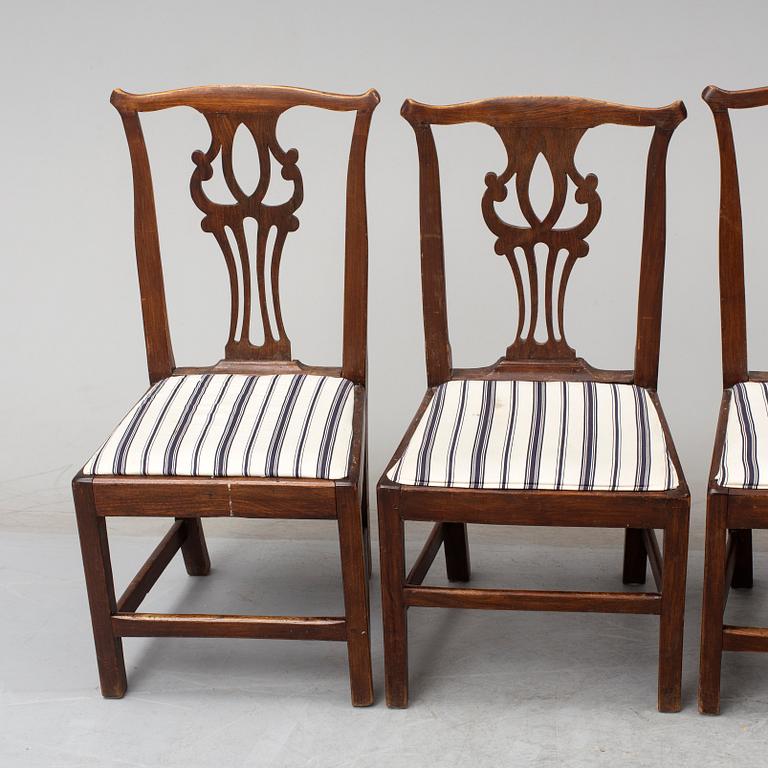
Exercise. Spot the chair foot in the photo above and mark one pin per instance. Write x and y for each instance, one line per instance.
(397, 700)
(635, 557)
(110, 693)
(709, 706)
(456, 545)
(673, 611)
(394, 612)
(194, 549)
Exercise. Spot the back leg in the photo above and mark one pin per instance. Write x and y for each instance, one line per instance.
(456, 546)
(635, 556)
(742, 571)
(194, 549)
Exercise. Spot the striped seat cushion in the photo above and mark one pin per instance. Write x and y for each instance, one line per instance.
(538, 435)
(744, 461)
(230, 425)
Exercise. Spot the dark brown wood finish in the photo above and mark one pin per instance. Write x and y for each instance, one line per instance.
(731, 513)
(227, 109)
(527, 127)
(211, 625)
(533, 600)
(635, 556)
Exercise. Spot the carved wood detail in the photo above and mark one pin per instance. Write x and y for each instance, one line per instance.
(220, 216)
(557, 147)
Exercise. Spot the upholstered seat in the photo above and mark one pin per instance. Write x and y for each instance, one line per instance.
(744, 461)
(538, 435)
(227, 425)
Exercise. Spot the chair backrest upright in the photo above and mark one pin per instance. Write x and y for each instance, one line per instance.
(733, 313)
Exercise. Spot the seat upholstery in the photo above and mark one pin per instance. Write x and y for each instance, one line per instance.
(744, 461)
(229, 425)
(538, 435)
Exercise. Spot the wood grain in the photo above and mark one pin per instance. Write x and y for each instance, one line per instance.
(754, 639)
(209, 625)
(543, 112)
(533, 600)
(214, 497)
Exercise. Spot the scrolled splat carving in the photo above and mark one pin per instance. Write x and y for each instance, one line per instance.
(558, 147)
(222, 216)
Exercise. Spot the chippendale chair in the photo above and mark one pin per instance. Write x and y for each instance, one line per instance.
(540, 437)
(737, 500)
(255, 435)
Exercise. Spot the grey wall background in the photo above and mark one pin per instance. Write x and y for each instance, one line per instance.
(69, 309)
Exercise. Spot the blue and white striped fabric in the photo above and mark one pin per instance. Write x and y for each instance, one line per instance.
(744, 462)
(552, 435)
(230, 425)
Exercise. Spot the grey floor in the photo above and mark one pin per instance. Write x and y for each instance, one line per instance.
(487, 689)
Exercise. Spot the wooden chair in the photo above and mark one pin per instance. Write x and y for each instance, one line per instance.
(257, 434)
(737, 500)
(489, 445)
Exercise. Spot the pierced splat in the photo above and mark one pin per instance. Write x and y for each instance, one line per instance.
(220, 217)
(557, 146)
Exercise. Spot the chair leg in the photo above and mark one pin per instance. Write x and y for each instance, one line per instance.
(713, 605)
(635, 556)
(101, 591)
(366, 511)
(356, 602)
(194, 549)
(456, 546)
(742, 571)
(392, 566)
(673, 611)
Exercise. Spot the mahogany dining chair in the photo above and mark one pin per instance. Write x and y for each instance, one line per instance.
(258, 434)
(737, 499)
(539, 438)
